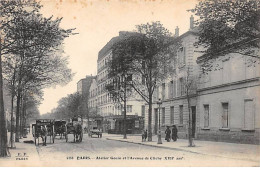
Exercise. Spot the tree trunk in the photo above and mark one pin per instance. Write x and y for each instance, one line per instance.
(21, 117)
(125, 109)
(4, 152)
(150, 104)
(189, 123)
(12, 144)
(125, 119)
(12, 123)
(17, 132)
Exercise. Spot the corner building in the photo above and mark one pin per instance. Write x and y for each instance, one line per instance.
(103, 104)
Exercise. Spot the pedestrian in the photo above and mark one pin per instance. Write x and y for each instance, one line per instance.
(144, 135)
(174, 133)
(168, 134)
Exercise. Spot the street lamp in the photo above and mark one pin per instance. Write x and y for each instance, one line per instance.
(159, 102)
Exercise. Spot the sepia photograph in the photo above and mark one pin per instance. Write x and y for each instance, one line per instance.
(129, 83)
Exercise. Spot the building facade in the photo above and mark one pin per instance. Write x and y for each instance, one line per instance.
(228, 100)
(172, 92)
(99, 97)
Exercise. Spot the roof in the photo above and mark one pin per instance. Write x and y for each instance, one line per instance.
(123, 34)
(113, 41)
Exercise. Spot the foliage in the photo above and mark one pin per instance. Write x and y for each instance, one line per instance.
(230, 26)
(225, 23)
(147, 55)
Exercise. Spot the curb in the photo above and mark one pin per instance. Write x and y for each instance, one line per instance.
(177, 149)
(155, 146)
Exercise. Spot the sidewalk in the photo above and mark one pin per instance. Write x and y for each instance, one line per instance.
(219, 149)
(24, 151)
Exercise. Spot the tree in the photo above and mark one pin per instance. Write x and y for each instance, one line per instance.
(119, 71)
(228, 27)
(33, 43)
(36, 43)
(190, 88)
(7, 9)
(149, 53)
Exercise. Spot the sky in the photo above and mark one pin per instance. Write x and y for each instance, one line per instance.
(96, 22)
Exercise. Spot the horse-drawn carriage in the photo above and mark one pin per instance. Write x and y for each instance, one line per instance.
(43, 128)
(74, 127)
(60, 128)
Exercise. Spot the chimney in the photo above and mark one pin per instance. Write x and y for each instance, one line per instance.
(176, 31)
(191, 22)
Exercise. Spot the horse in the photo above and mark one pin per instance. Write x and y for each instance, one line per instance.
(77, 132)
(43, 134)
(61, 130)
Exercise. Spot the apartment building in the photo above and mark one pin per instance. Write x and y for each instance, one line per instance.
(101, 102)
(172, 92)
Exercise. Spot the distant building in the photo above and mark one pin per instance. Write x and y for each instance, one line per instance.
(83, 85)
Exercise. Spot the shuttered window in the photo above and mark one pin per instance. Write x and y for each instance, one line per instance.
(163, 116)
(206, 115)
(181, 114)
(225, 115)
(172, 114)
(249, 116)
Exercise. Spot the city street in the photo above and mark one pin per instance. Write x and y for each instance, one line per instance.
(103, 152)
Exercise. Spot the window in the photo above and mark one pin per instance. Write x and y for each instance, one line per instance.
(181, 114)
(129, 108)
(163, 116)
(181, 86)
(163, 91)
(143, 110)
(172, 114)
(181, 56)
(137, 124)
(225, 115)
(174, 88)
(249, 117)
(206, 115)
(170, 90)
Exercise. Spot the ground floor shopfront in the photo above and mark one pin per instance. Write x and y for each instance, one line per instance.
(115, 124)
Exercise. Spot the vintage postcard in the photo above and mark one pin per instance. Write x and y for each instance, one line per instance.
(129, 83)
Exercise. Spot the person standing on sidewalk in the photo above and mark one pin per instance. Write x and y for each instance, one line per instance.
(174, 133)
(168, 134)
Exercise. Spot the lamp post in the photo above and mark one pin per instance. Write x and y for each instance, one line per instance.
(159, 102)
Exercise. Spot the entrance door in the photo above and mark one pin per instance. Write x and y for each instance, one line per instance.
(155, 120)
(193, 111)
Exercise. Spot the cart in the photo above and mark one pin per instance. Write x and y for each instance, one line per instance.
(37, 130)
(95, 131)
(60, 128)
(74, 127)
